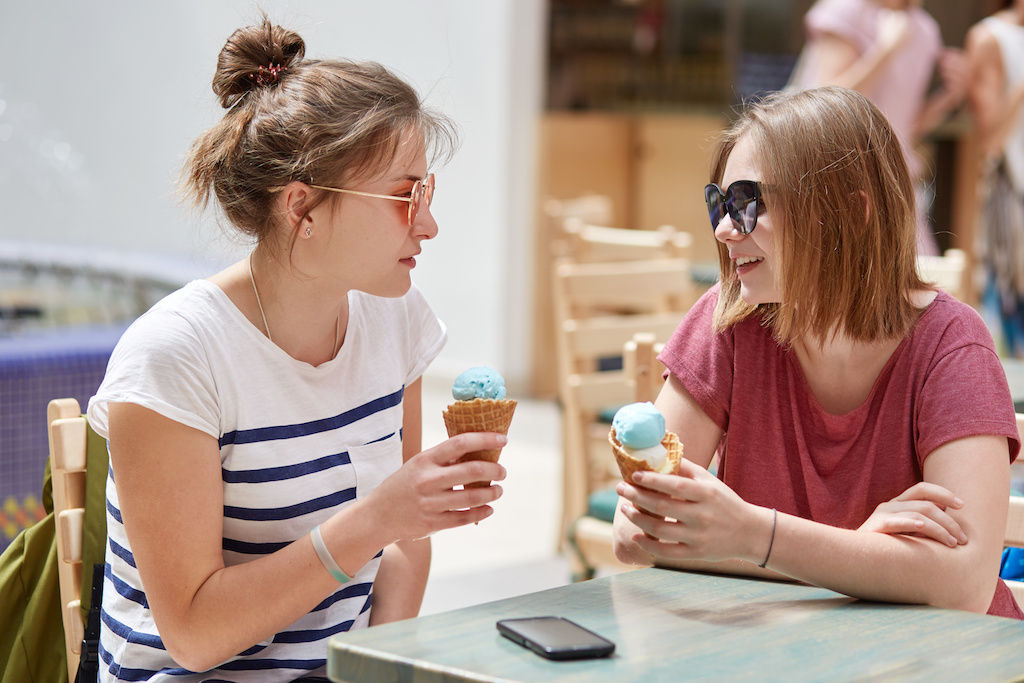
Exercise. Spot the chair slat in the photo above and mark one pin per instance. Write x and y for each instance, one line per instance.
(71, 523)
(73, 615)
(68, 436)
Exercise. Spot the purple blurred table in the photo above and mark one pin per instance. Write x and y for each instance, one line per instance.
(35, 368)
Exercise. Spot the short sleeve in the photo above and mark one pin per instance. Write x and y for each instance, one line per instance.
(160, 364)
(965, 394)
(427, 334)
(848, 19)
(702, 359)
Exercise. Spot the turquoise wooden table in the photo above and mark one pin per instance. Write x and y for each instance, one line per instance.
(671, 625)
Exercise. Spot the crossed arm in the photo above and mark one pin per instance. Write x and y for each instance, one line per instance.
(926, 546)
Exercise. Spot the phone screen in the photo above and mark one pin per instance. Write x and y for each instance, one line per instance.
(555, 637)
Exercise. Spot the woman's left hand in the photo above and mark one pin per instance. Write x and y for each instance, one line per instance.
(694, 515)
(921, 510)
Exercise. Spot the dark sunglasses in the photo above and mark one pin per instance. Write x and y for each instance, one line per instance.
(742, 200)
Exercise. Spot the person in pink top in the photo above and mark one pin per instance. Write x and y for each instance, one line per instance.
(862, 419)
(889, 50)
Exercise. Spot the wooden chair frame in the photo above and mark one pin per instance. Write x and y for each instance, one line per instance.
(599, 307)
(67, 434)
(590, 539)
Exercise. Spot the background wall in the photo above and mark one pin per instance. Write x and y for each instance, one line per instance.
(99, 102)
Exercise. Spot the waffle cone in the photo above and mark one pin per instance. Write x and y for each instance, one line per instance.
(628, 464)
(479, 415)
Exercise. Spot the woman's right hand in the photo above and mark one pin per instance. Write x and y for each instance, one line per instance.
(920, 511)
(420, 498)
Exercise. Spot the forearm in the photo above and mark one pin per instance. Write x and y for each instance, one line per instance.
(858, 74)
(998, 121)
(241, 605)
(401, 581)
(885, 567)
(934, 111)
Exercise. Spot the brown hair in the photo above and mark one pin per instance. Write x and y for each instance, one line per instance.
(839, 193)
(290, 118)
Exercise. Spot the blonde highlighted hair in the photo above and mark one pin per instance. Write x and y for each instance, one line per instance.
(288, 118)
(842, 205)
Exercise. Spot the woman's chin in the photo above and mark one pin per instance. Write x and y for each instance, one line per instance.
(756, 297)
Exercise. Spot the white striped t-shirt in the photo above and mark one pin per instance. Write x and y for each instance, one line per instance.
(297, 443)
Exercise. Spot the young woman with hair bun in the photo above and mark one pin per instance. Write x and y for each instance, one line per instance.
(861, 417)
(267, 486)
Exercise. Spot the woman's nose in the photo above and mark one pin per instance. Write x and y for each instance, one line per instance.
(726, 230)
(424, 226)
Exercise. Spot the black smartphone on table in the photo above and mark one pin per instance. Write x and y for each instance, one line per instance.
(555, 637)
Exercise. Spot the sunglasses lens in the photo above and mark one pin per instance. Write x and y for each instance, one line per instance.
(742, 204)
(716, 204)
(422, 194)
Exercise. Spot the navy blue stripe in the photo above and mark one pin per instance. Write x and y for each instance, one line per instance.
(132, 636)
(252, 650)
(114, 512)
(285, 471)
(121, 552)
(348, 591)
(247, 548)
(125, 674)
(312, 635)
(291, 511)
(124, 588)
(264, 664)
(384, 438)
(326, 424)
(368, 604)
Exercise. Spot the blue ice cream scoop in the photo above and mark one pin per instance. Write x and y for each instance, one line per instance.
(639, 425)
(479, 382)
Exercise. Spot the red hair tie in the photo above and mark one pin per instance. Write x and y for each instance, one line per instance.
(266, 75)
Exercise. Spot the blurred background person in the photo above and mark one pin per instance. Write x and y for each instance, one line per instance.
(889, 50)
(995, 53)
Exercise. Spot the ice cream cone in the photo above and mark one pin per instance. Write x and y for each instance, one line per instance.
(628, 464)
(479, 415)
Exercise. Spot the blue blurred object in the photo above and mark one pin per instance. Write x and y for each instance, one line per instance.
(64, 362)
(1012, 564)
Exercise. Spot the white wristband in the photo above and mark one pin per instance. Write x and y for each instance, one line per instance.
(325, 556)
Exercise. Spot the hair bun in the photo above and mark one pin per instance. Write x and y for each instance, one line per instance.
(254, 57)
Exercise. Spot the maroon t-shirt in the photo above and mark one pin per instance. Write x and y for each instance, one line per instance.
(781, 449)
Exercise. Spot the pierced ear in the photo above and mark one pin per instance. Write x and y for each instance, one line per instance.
(293, 202)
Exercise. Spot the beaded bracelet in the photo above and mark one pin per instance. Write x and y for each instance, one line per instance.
(771, 541)
(325, 556)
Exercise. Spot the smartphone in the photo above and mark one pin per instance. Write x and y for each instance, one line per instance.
(555, 637)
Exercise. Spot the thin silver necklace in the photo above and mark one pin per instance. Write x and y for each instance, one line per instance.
(266, 327)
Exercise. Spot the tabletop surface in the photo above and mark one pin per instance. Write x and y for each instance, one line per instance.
(670, 625)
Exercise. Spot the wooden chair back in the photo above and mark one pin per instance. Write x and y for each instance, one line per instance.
(589, 537)
(948, 271)
(598, 308)
(592, 243)
(67, 432)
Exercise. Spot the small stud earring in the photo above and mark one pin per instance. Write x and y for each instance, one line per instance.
(309, 232)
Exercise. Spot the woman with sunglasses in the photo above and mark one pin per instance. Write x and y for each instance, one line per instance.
(267, 488)
(862, 420)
